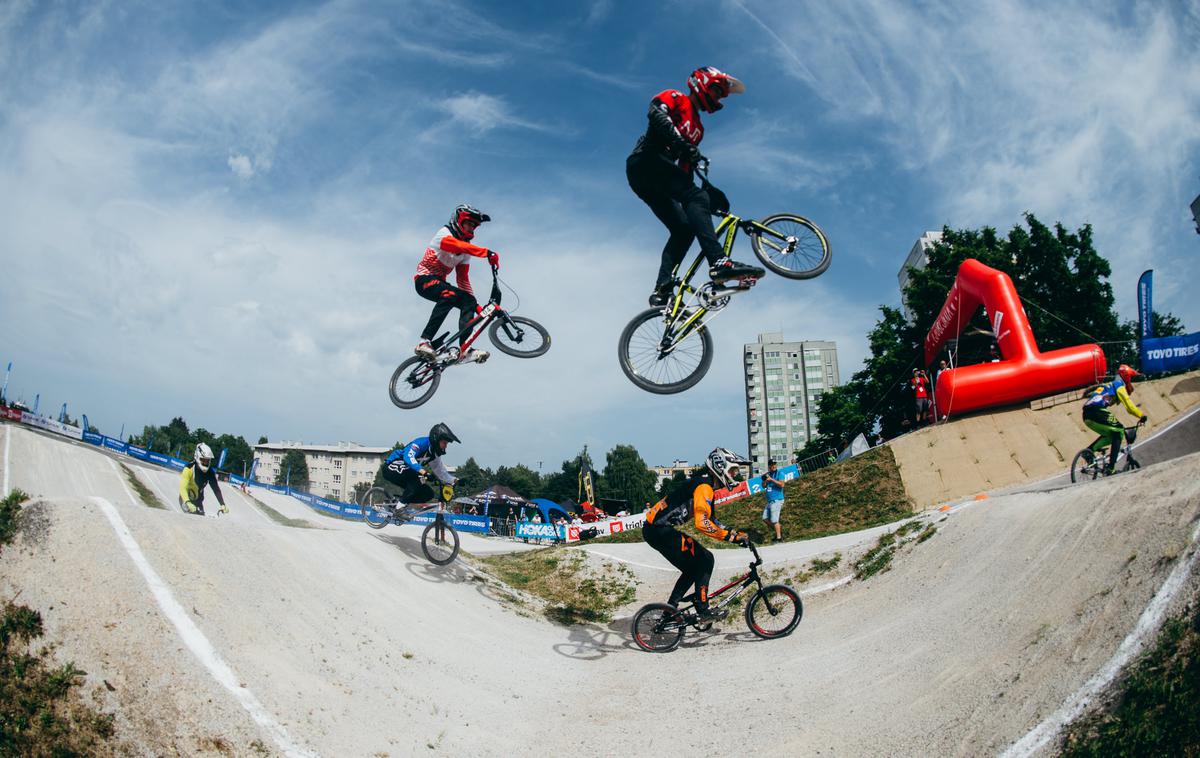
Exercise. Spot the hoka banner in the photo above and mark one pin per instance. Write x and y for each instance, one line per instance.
(1163, 354)
(1146, 303)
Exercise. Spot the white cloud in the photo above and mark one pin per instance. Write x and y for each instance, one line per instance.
(241, 166)
(480, 113)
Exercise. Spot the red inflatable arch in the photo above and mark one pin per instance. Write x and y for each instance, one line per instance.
(1024, 373)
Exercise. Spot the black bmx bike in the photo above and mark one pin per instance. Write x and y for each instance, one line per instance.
(773, 611)
(415, 380)
(667, 350)
(1089, 465)
(439, 539)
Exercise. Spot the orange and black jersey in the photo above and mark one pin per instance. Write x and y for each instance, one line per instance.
(693, 500)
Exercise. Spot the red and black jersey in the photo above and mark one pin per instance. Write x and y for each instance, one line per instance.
(674, 124)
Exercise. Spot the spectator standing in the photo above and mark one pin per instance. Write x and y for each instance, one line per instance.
(920, 388)
(774, 488)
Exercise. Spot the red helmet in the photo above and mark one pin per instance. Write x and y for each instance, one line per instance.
(1127, 373)
(709, 85)
(466, 213)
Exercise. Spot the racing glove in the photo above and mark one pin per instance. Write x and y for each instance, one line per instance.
(494, 258)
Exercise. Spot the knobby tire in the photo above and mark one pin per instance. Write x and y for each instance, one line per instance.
(418, 379)
(638, 354)
(809, 259)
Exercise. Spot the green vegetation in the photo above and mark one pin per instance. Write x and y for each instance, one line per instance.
(574, 592)
(142, 491)
(176, 439)
(1156, 708)
(854, 494)
(41, 711)
(10, 515)
(879, 558)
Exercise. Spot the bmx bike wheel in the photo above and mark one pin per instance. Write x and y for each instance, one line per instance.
(439, 542)
(658, 628)
(774, 611)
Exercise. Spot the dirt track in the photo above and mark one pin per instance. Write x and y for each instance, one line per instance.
(349, 643)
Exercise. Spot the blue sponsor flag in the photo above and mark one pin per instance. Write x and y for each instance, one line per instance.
(86, 425)
(221, 459)
(253, 465)
(1146, 303)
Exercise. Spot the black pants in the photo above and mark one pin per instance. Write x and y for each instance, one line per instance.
(685, 554)
(414, 491)
(679, 204)
(446, 297)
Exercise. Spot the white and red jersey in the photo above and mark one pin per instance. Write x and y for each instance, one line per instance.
(447, 253)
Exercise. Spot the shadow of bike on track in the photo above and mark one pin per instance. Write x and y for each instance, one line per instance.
(592, 642)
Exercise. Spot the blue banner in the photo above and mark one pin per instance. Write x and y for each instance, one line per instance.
(221, 458)
(1162, 354)
(460, 522)
(93, 438)
(1146, 303)
(526, 530)
(138, 452)
(113, 444)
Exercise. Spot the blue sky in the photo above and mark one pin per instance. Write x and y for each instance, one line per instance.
(215, 212)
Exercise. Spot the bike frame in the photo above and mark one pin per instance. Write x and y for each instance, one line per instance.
(694, 319)
(750, 578)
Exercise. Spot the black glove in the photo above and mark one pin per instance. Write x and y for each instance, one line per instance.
(1143, 420)
(717, 202)
(690, 153)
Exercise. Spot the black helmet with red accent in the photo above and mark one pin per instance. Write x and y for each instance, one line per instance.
(710, 85)
(466, 213)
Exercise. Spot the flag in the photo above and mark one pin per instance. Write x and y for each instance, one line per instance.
(1145, 304)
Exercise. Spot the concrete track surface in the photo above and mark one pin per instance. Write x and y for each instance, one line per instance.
(240, 633)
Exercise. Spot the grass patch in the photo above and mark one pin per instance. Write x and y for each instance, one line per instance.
(41, 711)
(1156, 707)
(856, 493)
(573, 591)
(143, 492)
(10, 516)
(879, 558)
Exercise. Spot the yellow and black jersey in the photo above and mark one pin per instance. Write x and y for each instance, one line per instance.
(192, 482)
(693, 500)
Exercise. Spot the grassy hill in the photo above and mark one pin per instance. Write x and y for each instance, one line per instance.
(854, 494)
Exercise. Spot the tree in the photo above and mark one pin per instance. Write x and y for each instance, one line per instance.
(1167, 325)
(293, 462)
(523, 480)
(564, 485)
(668, 486)
(239, 454)
(627, 477)
(472, 479)
(359, 490)
(262, 440)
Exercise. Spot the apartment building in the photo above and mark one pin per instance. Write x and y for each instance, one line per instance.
(333, 470)
(666, 472)
(784, 381)
(918, 258)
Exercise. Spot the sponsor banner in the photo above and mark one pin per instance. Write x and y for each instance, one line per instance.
(12, 414)
(159, 458)
(526, 530)
(50, 425)
(93, 438)
(114, 444)
(607, 527)
(1162, 354)
(755, 485)
(138, 452)
(463, 523)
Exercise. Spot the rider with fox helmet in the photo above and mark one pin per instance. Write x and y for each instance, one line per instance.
(659, 171)
(695, 500)
(451, 250)
(1098, 417)
(406, 465)
(193, 479)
